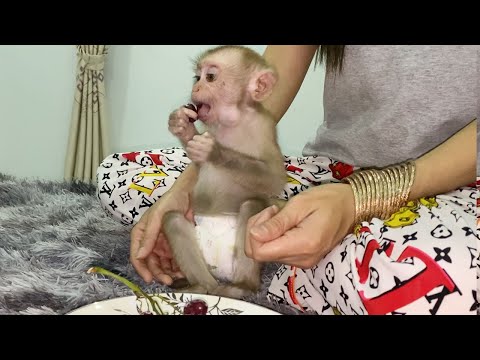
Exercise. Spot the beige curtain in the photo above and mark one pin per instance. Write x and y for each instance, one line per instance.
(88, 143)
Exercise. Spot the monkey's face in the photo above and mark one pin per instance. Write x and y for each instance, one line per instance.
(217, 89)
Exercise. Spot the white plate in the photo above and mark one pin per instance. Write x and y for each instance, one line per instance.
(172, 304)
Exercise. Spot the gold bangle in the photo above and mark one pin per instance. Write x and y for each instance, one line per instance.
(357, 197)
(363, 195)
(368, 199)
(378, 203)
(380, 193)
(386, 186)
(412, 166)
(395, 189)
(404, 169)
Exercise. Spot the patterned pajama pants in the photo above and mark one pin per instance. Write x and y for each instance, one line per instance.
(423, 260)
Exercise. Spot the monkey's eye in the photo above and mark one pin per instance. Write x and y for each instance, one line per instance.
(196, 78)
(211, 77)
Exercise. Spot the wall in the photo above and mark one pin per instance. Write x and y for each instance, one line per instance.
(36, 96)
(146, 82)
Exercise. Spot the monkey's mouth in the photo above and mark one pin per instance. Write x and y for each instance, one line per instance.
(202, 110)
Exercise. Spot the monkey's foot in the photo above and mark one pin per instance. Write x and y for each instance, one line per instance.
(230, 291)
(181, 283)
(194, 289)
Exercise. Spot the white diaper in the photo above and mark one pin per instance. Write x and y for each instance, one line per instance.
(216, 238)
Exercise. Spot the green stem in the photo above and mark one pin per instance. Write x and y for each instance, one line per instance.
(216, 306)
(217, 303)
(135, 288)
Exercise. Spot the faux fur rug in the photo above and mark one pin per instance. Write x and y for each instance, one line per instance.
(51, 233)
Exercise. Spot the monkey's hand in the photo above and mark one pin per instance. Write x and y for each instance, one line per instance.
(180, 125)
(201, 147)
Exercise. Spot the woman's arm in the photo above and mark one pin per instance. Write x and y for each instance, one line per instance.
(380, 193)
(291, 63)
(449, 166)
(187, 180)
(312, 223)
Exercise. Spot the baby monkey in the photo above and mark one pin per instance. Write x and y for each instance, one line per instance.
(241, 170)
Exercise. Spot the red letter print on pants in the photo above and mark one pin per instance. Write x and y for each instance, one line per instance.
(409, 291)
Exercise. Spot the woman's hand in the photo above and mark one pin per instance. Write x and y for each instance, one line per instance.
(150, 252)
(309, 226)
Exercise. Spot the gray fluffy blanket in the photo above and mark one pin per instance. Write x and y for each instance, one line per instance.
(51, 233)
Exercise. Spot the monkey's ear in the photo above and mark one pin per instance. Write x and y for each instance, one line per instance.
(261, 85)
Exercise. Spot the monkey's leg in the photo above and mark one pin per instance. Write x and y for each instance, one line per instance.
(182, 238)
(246, 274)
(279, 202)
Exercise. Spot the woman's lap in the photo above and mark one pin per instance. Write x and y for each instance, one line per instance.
(409, 264)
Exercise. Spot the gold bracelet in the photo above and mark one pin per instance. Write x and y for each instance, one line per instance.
(412, 169)
(369, 193)
(385, 186)
(381, 192)
(395, 177)
(357, 196)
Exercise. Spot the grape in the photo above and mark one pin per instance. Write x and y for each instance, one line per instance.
(191, 107)
(196, 307)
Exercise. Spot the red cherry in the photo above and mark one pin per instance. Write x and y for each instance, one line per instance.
(196, 307)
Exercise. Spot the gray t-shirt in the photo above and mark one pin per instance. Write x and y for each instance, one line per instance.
(392, 103)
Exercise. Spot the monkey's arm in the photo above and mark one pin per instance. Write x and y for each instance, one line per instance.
(254, 171)
(291, 63)
(237, 161)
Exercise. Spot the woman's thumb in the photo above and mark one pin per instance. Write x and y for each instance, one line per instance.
(274, 227)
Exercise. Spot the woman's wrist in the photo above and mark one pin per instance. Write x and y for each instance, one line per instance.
(341, 195)
(186, 181)
(348, 201)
